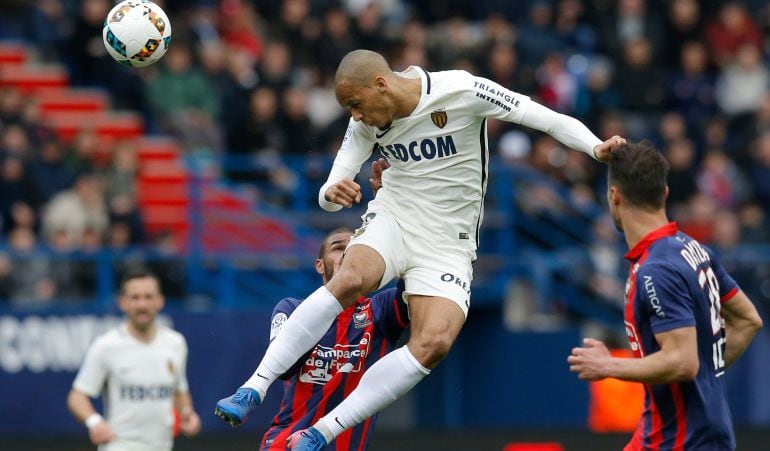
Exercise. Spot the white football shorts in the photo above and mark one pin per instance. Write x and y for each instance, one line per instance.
(427, 268)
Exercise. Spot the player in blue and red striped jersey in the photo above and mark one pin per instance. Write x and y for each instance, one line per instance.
(685, 317)
(361, 335)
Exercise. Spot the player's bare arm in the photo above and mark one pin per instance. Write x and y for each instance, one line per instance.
(742, 322)
(189, 422)
(345, 193)
(82, 408)
(676, 361)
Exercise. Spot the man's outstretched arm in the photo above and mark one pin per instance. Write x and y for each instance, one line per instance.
(676, 361)
(569, 131)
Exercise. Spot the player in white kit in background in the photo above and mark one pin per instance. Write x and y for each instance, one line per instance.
(422, 226)
(139, 369)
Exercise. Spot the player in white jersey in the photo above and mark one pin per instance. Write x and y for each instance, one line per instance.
(139, 369)
(422, 225)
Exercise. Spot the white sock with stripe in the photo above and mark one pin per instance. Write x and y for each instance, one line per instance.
(387, 380)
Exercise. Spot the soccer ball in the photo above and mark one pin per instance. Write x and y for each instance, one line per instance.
(136, 32)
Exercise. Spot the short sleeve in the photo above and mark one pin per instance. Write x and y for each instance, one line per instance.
(181, 382)
(281, 313)
(94, 370)
(664, 298)
(490, 99)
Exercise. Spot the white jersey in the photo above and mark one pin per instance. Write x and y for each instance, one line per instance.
(438, 154)
(137, 381)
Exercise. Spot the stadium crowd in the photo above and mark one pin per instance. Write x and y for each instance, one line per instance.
(254, 80)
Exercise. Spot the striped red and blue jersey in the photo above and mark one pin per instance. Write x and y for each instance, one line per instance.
(676, 282)
(361, 335)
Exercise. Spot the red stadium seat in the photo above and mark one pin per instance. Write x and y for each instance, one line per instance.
(13, 53)
(31, 78)
(157, 149)
(111, 125)
(72, 100)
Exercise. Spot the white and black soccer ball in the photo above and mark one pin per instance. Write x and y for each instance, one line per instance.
(136, 32)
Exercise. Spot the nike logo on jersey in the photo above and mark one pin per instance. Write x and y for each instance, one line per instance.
(380, 135)
(428, 149)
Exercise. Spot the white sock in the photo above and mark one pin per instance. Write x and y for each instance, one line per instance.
(301, 331)
(387, 380)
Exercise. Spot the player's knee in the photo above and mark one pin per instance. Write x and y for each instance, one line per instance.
(430, 349)
(346, 286)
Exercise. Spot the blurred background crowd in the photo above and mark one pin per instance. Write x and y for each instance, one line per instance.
(249, 85)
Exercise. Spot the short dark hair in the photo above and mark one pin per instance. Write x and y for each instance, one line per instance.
(640, 172)
(136, 272)
(325, 242)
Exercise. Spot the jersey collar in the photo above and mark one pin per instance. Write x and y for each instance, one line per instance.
(667, 230)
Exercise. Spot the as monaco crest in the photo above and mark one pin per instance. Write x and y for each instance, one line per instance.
(439, 118)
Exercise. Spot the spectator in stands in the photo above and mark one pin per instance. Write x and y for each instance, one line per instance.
(119, 236)
(16, 141)
(260, 129)
(692, 87)
(259, 137)
(672, 127)
(599, 93)
(684, 25)
(537, 38)
(760, 170)
(641, 82)
(295, 26)
(632, 21)
(73, 273)
(369, 28)
(557, 88)
(17, 190)
(232, 73)
(754, 227)
(31, 285)
(11, 105)
(748, 130)
(185, 102)
(698, 218)
(80, 156)
(238, 27)
(575, 35)
(275, 67)
(76, 209)
(121, 190)
(731, 30)
(296, 123)
(680, 154)
(502, 64)
(720, 179)
(50, 26)
(88, 58)
(605, 275)
(743, 83)
(52, 174)
(336, 39)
